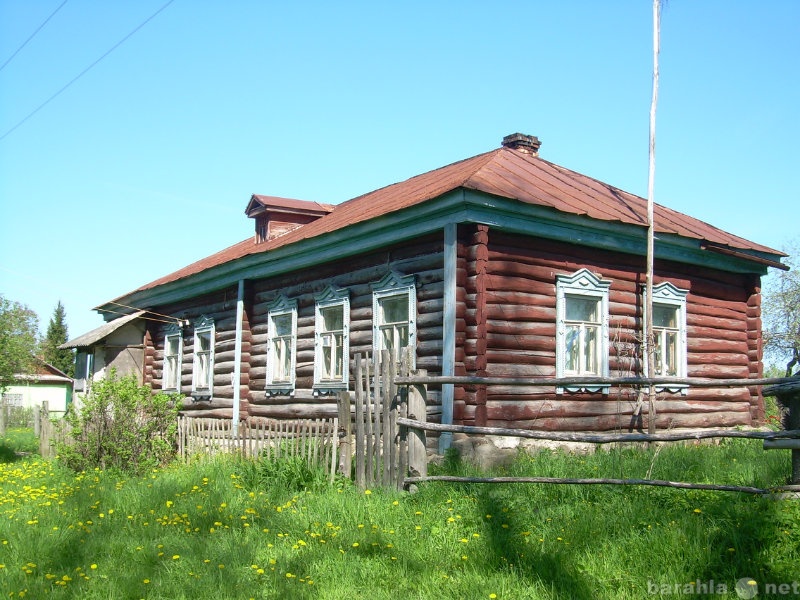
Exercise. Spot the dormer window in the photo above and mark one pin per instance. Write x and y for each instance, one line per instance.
(276, 216)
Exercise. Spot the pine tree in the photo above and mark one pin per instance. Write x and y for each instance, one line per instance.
(61, 359)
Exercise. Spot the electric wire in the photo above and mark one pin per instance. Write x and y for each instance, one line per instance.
(31, 36)
(82, 73)
(146, 310)
(119, 312)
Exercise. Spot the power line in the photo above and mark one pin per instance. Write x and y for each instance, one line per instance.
(82, 73)
(8, 60)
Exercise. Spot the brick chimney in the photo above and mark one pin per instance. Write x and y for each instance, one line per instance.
(527, 144)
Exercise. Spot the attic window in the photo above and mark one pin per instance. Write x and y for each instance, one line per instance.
(276, 216)
(261, 229)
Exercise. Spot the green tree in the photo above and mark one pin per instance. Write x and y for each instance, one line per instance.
(19, 332)
(61, 359)
(781, 313)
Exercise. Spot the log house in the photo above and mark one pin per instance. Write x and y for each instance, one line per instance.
(503, 264)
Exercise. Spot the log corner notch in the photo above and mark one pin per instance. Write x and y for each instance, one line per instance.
(788, 394)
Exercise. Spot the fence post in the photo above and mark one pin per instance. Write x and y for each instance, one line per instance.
(417, 410)
(794, 423)
(788, 394)
(345, 433)
(43, 425)
(2, 415)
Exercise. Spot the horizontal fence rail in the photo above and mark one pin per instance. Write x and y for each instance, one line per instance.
(787, 389)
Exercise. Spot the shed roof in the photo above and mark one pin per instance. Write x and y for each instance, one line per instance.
(97, 335)
(507, 173)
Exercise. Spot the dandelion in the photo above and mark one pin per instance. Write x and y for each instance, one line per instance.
(367, 492)
(93, 566)
(176, 556)
(697, 511)
(492, 595)
(145, 581)
(355, 544)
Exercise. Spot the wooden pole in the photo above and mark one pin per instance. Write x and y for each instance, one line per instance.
(788, 394)
(649, 340)
(417, 410)
(2, 415)
(43, 425)
(345, 435)
(605, 438)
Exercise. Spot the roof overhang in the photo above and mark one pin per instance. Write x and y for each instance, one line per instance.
(458, 206)
(95, 336)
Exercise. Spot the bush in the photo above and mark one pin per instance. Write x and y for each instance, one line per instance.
(120, 425)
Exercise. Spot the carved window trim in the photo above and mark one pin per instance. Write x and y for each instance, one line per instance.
(583, 284)
(280, 308)
(667, 294)
(394, 285)
(173, 363)
(331, 298)
(203, 360)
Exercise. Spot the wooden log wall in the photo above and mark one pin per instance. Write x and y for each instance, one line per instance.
(509, 310)
(220, 306)
(422, 258)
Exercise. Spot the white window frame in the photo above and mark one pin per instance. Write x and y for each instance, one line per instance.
(667, 294)
(172, 332)
(328, 299)
(584, 284)
(391, 286)
(279, 307)
(203, 389)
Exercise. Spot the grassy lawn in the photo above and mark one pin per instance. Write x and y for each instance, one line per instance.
(227, 529)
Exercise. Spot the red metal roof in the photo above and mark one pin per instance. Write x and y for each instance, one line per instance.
(504, 172)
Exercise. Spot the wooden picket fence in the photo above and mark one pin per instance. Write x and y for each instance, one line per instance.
(385, 453)
(315, 440)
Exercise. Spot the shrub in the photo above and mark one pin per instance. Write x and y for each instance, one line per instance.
(120, 425)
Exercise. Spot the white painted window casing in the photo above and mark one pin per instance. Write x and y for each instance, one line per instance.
(331, 341)
(582, 329)
(203, 360)
(282, 346)
(394, 306)
(173, 359)
(669, 335)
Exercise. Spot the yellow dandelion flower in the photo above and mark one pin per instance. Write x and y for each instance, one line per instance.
(93, 566)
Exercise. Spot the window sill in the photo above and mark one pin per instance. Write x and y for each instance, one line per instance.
(201, 396)
(584, 389)
(329, 389)
(286, 389)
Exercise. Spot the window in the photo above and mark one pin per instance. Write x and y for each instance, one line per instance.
(669, 334)
(12, 399)
(582, 328)
(282, 349)
(84, 369)
(173, 355)
(394, 314)
(331, 343)
(203, 367)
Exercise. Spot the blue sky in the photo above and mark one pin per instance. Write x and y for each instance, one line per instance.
(146, 162)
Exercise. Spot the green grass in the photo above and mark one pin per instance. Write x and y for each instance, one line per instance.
(227, 529)
(16, 442)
